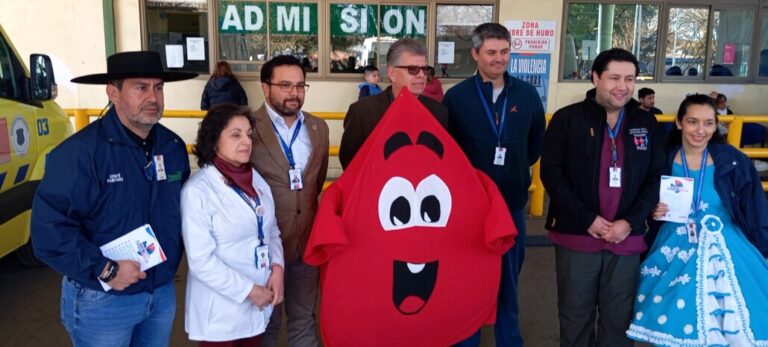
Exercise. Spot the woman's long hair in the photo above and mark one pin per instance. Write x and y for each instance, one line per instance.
(675, 138)
(223, 70)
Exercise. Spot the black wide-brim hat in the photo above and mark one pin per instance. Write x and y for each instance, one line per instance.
(138, 64)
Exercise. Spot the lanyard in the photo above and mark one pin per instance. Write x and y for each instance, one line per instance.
(702, 169)
(287, 147)
(497, 128)
(259, 218)
(613, 134)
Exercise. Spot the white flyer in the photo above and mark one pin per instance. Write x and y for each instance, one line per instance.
(139, 245)
(677, 193)
(195, 48)
(174, 56)
(446, 51)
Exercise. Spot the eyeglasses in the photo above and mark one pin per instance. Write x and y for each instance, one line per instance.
(288, 86)
(414, 69)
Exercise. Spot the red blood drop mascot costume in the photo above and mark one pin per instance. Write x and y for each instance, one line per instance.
(409, 239)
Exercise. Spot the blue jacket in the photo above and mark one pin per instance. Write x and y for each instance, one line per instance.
(95, 190)
(739, 187)
(522, 134)
(221, 90)
(367, 89)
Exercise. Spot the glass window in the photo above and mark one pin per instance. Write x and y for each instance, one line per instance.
(178, 30)
(595, 27)
(252, 32)
(293, 31)
(362, 33)
(763, 68)
(399, 21)
(453, 37)
(354, 37)
(686, 42)
(730, 42)
(242, 28)
(8, 81)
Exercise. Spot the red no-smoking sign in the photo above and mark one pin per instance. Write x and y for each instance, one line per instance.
(532, 35)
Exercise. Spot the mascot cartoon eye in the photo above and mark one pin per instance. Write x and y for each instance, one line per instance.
(433, 200)
(401, 206)
(396, 204)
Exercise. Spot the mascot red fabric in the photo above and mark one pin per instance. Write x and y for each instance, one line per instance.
(409, 239)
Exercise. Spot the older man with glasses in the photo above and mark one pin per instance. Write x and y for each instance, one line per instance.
(406, 67)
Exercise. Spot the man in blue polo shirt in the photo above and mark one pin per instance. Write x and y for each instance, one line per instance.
(118, 173)
(498, 121)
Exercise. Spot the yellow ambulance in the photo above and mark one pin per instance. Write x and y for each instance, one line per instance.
(31, 125)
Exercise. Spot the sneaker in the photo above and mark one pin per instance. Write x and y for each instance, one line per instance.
(761, 166)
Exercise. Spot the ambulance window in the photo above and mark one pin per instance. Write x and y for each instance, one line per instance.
(8, 88)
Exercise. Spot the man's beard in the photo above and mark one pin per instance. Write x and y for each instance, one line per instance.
(284, 110)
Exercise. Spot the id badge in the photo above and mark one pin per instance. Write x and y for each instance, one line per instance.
(498, 157)
(690, 227)
(294, 175)
(614, 177)
(262, 257)
(159, 167)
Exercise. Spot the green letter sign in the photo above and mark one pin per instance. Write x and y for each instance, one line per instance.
(292, 18)
(365, 20)
(242, 17)
(354, 19)
(403, 21)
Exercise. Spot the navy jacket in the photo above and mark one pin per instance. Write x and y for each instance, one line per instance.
(223, 90)
(95, 190)
(522, 134)
(570, 164)
(739, 187)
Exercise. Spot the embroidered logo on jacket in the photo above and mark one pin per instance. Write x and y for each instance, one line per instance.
(640, 138)
(174, 177)
(114, 178)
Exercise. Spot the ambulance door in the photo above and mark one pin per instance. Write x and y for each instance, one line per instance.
(18, 147)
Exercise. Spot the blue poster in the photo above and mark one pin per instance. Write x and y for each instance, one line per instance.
(534, 69)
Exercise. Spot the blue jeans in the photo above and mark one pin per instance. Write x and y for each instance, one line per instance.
(507, 327)
(95, 318)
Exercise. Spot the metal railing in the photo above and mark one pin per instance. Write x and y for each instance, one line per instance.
(736, 123)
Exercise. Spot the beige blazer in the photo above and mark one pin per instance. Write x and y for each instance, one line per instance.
(295, 209)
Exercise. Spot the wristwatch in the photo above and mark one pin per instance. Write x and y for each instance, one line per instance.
(110, 271)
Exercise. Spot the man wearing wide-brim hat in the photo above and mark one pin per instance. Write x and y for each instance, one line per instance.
(119, 173)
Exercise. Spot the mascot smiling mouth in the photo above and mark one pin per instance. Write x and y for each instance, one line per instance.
(412, 285)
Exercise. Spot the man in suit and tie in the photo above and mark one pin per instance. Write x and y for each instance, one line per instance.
(406, 67)
(290, 150)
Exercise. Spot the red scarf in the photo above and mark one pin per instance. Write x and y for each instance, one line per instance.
(241, 176)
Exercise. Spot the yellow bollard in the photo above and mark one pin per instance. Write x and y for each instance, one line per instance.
(537, 196)
(734, 131)
(81, 118)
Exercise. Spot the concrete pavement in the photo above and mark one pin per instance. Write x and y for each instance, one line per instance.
(29, 301)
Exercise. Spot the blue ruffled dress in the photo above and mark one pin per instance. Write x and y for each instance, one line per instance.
(710, 293)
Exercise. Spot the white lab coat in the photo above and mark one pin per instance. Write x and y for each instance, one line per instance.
(220, 236)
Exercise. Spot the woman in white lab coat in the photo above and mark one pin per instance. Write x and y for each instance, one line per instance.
(231, 237)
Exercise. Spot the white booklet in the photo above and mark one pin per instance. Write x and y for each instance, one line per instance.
(139, 245)
(677, 193)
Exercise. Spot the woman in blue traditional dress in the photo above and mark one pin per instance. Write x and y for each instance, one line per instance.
(705, 282)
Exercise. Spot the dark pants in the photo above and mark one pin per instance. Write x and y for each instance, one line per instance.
(301, 282)
(595, 286)
(507, 327)
(246, 342)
